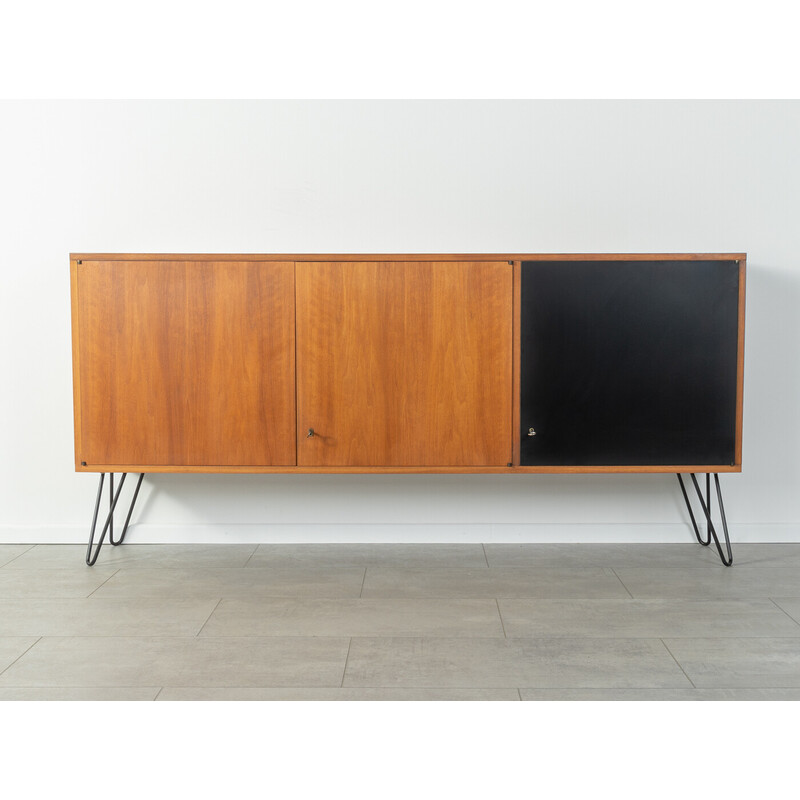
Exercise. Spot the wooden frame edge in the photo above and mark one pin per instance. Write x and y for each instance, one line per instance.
(431, 470)
(294, 368)
(740, 364)
(76, 370)
(516, 328)
(408, 256)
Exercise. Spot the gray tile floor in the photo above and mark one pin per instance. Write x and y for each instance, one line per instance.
(400, 622)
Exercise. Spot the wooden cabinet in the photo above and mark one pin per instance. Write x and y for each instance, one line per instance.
(184, 363)
(392, 363)
(404, 363)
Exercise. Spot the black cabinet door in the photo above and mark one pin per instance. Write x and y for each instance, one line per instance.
(628, 363)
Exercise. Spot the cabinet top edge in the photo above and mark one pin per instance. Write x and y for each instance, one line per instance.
(407, 256)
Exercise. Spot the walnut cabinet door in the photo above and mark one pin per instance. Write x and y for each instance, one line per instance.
(404, 363)
(185, 363)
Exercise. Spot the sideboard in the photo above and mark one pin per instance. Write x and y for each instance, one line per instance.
(438, 363)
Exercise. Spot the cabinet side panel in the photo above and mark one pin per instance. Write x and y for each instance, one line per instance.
(76, 370)
(404, 363)
(187, 363)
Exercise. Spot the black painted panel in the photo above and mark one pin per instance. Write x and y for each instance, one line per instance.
(629, 362)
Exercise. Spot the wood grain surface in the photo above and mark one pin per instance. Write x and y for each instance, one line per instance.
(186, 363)
(432, 470)
(76, 360)
(516, 365)
(346, 257)
(404, 363)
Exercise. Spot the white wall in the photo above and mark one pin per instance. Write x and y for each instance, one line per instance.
(393, 177)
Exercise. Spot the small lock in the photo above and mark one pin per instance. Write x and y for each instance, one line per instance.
(531, 432)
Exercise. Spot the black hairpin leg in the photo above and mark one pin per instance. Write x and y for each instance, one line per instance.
(108, 525)
(711, 532)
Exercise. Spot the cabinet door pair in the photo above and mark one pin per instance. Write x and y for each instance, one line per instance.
(277, 363)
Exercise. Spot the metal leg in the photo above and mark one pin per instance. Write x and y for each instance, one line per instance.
(707, 541)
(111, 503)
(128, 518)
(711, 532)
(108, 525)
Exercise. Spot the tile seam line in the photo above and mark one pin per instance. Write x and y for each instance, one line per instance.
(411, 687)
(19, 555)
(725, 638)
(615, 688)
(658, 688)
(197, 635)
(227, 638)
(191, 637)
(571, 637)
(505, 637)
(27, 650)
(500, 614)
(36, 598)
(779, 607)
(346, 659)
(680, 666)
(250, 557)
(622, 582)
(499, 687)
(462, 597)
(296, 686)
(93, 686)
(103, 583)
